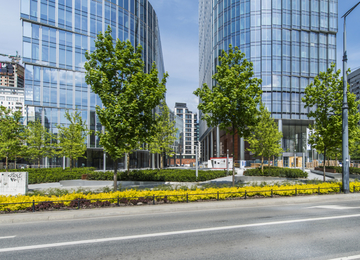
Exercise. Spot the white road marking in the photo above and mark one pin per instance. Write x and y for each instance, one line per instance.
(102, 240)
(333, 207)
(347, 257)
(7, 237)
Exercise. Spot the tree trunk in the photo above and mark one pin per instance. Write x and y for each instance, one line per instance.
(115, 174)
(128, 163)
(269, 162)
(324, 162)
(262, 164)
(336, 161)
(273, 161)
(7, 163)
(71, 163)
(233, 166)
(15, 162)
(161, 162)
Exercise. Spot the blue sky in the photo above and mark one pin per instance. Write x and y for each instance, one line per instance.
(178, 21)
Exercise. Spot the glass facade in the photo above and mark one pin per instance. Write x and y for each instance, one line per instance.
(288, 41)
(56, 35)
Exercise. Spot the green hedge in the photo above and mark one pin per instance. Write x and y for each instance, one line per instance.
(159, 175)
(44, 175)
(277, 172)
(352, 170)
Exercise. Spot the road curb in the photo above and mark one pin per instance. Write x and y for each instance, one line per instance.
(169, 208)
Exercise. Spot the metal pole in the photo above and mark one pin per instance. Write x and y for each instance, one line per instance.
(153, 161)
(295, 159)
(227, 162)
(104, 161)
(63, 162)
(345, 137)
(196, 161)
(217, 141)
(345, 130)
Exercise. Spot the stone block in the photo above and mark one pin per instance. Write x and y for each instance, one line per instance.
(13, 183)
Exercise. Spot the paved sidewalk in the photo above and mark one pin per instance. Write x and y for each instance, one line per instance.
(162, 208)
(97, 185)
(336, 176)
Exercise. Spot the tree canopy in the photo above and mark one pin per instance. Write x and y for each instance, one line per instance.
(72, 137)
(265, 138)
(11, 130)
(324, 97)
(116, 72)
(232, 102)
(165, 136)
(38, 142)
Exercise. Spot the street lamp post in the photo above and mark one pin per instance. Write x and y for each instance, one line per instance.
(345, 128)
(196, 162)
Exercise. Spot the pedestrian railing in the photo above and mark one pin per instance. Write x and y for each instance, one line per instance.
(118, 201)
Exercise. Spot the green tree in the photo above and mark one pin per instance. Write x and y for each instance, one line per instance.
(129, 95)
(325, 96)
(38, 142)
(265, 138)
(11, 129)
(72, 138)
(165, 135)
(232, 102)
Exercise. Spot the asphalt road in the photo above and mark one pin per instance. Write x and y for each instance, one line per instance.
(320, 230)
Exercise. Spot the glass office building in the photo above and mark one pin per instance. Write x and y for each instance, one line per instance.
(289, 43)
(56, 34)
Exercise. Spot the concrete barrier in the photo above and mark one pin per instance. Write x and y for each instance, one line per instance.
(13, 183)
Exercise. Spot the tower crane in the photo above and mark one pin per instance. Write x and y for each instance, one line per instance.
(14, 58)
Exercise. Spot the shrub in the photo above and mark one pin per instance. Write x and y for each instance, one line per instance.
(44, 175)
(277, 172)
(178, 175)
(145, 196)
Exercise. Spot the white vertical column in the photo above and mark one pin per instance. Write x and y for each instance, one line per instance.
(126, 160)
(217, 141)
(242, 149)
(104, 161)
(212, 143)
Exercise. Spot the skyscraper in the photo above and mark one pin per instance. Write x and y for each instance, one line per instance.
(56, 34)
(12, 86)
(187, 148)
(289, 43)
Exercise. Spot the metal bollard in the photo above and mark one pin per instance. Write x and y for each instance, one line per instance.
(33, 206)
(187, 198)
(295, 191)
(217, 195)
(118, 201)
(318, 190)
(153, 199)
(245, 194)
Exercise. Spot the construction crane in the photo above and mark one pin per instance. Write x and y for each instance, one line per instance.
(14, 58)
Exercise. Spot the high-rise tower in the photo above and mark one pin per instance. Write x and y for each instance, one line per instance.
(289, 43)
(56, 34)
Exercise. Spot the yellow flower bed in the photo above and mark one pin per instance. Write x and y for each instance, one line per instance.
(178, 195)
